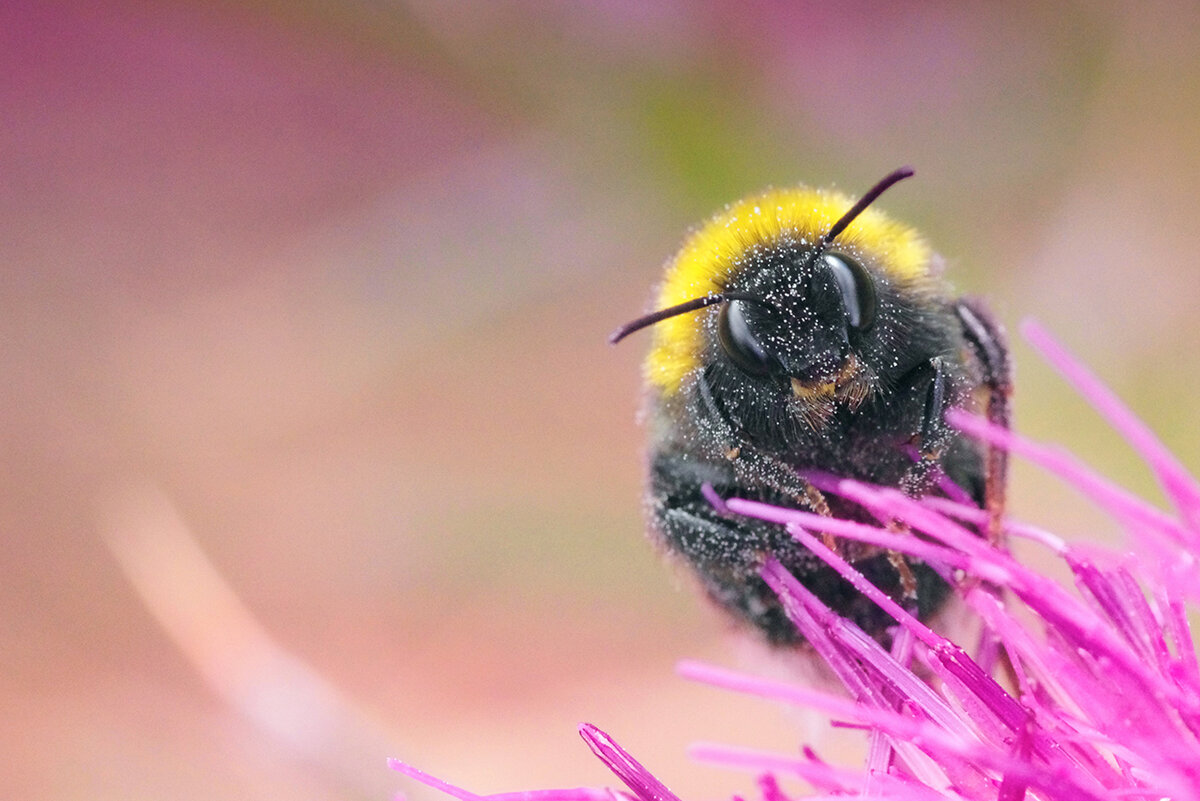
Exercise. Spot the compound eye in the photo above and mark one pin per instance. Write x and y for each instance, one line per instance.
(857, 288)
(739, 342)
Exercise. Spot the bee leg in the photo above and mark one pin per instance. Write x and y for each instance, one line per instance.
(753, 465)
(934, 434)
(931, 441)
(908, 581)
(989, 350)
(784, 479)
(815, 499)
(727, 553)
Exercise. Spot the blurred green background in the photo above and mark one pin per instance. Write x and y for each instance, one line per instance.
(335, 280)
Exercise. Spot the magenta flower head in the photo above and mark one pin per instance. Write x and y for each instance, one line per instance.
(1080, 694)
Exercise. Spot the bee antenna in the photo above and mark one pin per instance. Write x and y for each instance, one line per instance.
(894, 177)
(695, 304)
(692, 305)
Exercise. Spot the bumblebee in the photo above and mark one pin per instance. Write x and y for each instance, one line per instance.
(799, 333)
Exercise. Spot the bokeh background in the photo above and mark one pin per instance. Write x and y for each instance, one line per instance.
(327, 286)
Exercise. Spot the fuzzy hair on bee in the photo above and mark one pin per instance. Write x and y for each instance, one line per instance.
(796, 334)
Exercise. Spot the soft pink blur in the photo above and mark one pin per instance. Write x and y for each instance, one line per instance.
(334, 282)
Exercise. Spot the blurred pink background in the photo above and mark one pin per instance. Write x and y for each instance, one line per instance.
(330, 284)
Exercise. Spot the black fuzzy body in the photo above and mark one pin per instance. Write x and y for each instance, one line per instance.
(751, 436)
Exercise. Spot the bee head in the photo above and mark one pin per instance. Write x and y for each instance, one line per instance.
(804, 313)
(803, 318)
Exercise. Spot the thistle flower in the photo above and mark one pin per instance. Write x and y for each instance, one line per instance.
(1090, 694)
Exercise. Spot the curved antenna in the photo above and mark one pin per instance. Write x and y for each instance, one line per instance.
(892, 178)
(886, 183)
(692, 305)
